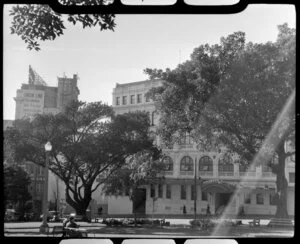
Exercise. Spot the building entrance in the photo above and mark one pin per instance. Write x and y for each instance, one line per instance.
(221, 201)
(139, 203)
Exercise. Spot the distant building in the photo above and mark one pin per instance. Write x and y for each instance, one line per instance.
(220, 174)
(37, 98)
(7, 123)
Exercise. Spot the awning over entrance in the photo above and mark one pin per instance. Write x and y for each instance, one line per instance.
(217, 187)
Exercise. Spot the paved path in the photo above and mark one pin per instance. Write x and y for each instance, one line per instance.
(178, 228)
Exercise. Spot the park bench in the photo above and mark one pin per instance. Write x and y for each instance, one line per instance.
(75, 232)
(255, 222)
(57, 230)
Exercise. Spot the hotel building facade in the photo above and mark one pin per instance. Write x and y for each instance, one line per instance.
(216, 177)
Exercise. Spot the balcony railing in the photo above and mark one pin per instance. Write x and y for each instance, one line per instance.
(250, 173)
(268, 174)
(206, 173)
(187, 173)
(226, 173)
(186, 145)
(168, 172)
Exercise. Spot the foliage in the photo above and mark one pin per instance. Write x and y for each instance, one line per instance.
(188, 87)
(35, 23)
(237, 95)
(16, 183)
(88, 142)
(141, 168)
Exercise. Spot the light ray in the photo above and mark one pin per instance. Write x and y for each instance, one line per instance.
(273, 138)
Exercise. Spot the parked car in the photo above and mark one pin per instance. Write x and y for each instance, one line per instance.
(53, 216)
(28, 216)
(11, 215)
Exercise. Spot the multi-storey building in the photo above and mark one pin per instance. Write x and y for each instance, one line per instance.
(217, 176)
(36, 98)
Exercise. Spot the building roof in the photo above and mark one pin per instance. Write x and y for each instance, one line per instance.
(137, 83)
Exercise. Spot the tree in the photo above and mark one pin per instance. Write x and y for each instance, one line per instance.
(88, 142)
(35, 23)
(16, 183)
(141, 169)
(188, 87)
(247, 104)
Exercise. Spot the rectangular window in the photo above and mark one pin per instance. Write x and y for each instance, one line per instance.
(168, 191)
(186, 139)
(183, 192)
(160, 191)
(147, 99)
(152, 191)
(124, 100)
(247, 198)
(259, 198)
(272, 198)
(132, 99)
(139, 98)
(118, 101)
(204, 196)
(292, 177)
(193, 192)
(28, 95)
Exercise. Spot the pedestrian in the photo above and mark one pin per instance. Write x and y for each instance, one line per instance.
(184, 209)
(208, 210)
(100, 211)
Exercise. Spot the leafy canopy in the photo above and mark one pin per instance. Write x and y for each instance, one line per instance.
(34, 23)
(140, 169)
(88, 142)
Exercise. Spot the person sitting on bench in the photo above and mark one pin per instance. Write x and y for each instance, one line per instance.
(70, 223)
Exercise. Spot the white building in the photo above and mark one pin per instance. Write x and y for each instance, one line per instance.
(220, 177)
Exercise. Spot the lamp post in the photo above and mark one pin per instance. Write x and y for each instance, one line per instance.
(195, 191)
(44, 227)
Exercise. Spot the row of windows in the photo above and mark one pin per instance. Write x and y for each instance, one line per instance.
(259, 197)
(32, 95)
(168, 193)
(206, 164)
(133, 99)
(160, 191)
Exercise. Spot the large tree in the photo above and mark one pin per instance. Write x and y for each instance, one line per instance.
(238, 95)
(89, 144)
(141, 169)
(16, 183)
(34, 23)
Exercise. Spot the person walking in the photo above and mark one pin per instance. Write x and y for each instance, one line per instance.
(184, 210)
(208, 210)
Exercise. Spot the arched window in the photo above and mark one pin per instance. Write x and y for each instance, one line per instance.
(186, 164)
(225, 164)
(205, 164)
(153, 118)
(168, 162)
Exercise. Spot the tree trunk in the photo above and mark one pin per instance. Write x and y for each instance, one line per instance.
(282, 185)
(80, 206)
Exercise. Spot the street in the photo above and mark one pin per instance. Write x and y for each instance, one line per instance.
(177, 229)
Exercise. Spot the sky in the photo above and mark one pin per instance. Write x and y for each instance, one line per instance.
(103, 58)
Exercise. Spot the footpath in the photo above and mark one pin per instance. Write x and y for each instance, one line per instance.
(177, 228)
